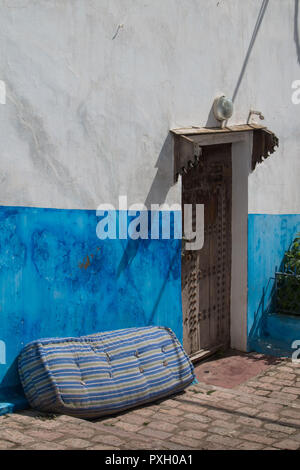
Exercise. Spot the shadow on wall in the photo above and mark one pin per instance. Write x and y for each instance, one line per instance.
(211, 120)
(270, 312)
(265, 307)
(163, 181)
(259, 20)
(164, 178)
(258, 23)
(10, 376)
(296, 30)
(160, 187)
(11, 389)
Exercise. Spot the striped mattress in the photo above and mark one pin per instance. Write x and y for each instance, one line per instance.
(104, 373)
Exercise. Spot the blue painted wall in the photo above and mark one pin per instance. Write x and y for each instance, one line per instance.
(269, 236)
(58, 279)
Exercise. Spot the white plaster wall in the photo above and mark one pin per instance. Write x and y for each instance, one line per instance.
(89, 105)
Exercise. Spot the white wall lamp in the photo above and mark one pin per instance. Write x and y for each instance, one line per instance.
(223, 109)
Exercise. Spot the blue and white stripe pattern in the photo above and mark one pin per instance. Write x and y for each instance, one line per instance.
(105, 373)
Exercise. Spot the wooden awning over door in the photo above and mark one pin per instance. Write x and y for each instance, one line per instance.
(189, 142)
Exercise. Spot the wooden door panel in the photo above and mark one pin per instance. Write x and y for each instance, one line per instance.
(206, 273)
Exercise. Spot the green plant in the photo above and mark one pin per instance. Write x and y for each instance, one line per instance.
(292, 257)
(288, 281)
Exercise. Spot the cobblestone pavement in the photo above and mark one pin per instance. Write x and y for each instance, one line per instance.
(263, 413)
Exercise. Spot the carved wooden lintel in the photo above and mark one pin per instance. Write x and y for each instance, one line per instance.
(188, 144)
(264, 144)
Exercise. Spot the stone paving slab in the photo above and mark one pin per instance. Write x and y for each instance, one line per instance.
(202, 417)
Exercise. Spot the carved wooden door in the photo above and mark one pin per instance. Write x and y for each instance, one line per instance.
(206, 273)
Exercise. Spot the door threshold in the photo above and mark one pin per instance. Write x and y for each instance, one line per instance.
(204, 353)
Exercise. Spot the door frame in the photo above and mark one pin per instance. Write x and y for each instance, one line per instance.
(241, 169)
(241, 153)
